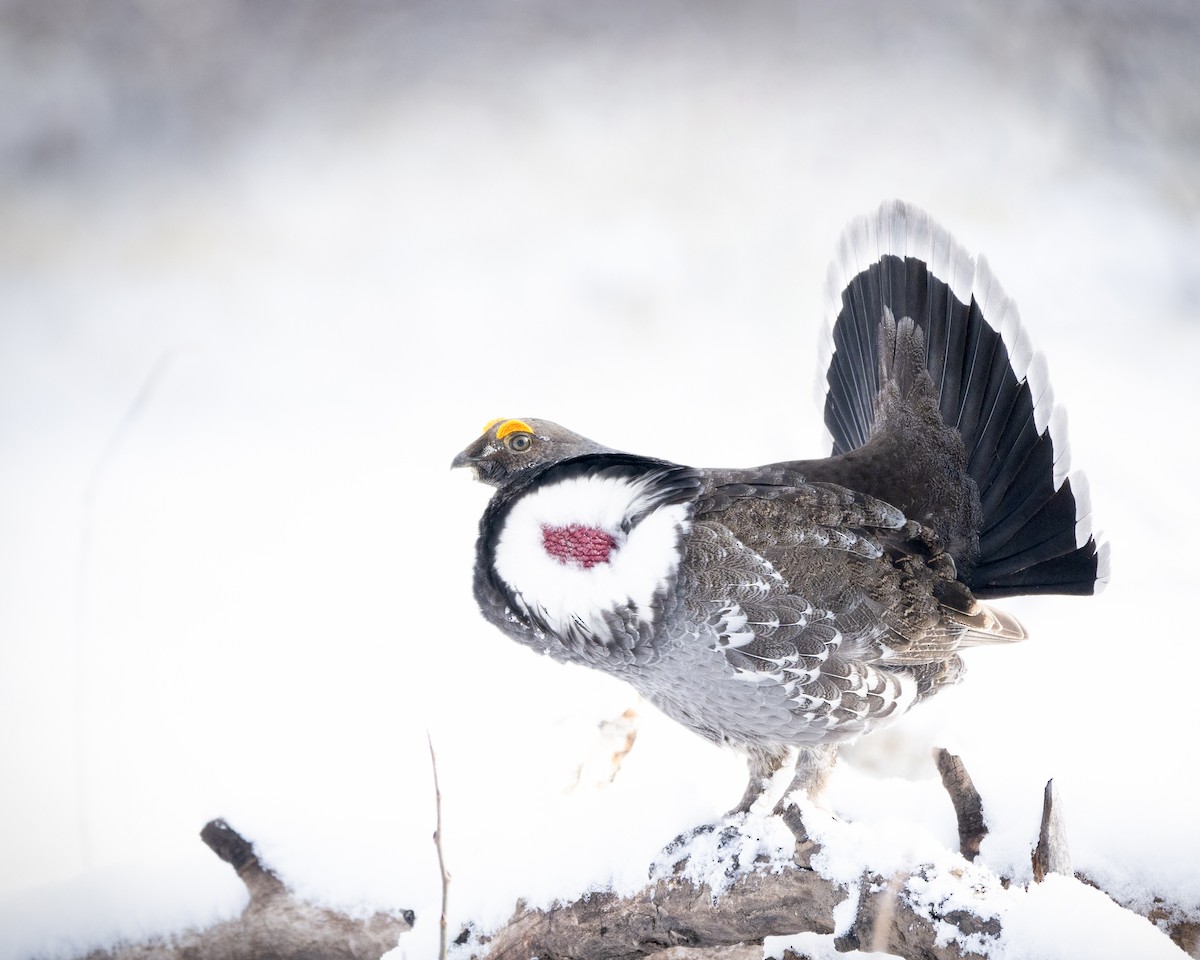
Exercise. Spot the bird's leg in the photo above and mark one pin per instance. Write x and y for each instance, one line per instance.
(763, 766)
(813, 767)
(764, 763)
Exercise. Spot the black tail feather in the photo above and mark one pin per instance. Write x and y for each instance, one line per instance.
(1078, 572)
(990, 386)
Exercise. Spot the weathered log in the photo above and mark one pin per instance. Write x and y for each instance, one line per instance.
(274, 926)
(917, 914)
(776, 900)
(736, 951)
(1184, 931)
(889, 920)
(671, 913)
(672, 918)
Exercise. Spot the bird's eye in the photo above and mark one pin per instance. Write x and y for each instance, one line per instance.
(518, 442)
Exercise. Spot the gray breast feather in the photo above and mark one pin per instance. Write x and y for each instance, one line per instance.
(763, 659)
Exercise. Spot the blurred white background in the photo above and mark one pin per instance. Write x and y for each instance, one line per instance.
(265, 267)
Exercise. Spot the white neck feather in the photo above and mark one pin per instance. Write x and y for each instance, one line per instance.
(563, 595)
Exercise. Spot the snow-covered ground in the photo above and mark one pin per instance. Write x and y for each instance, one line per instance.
(234, 565)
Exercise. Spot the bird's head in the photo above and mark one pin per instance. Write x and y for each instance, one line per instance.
(512, 449)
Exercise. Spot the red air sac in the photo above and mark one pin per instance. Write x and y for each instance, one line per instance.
(576, 543)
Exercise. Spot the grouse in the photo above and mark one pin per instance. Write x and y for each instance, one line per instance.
(798, 605)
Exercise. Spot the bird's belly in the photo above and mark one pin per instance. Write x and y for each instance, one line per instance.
(695, 686)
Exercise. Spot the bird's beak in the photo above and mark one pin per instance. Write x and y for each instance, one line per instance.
(471, 456)
(477, 457)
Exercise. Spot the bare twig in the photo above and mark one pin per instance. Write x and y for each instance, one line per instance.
(437, 842)
(91, 489)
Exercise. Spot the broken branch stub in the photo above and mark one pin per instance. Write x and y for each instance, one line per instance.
(968, 805)
(1052, 855)
(262, 882)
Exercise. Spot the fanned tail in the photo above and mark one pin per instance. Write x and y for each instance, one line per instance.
(991, 386)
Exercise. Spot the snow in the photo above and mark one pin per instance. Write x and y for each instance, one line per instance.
(1063, 917)
(235, 566)
(715, 855)
(813, 946)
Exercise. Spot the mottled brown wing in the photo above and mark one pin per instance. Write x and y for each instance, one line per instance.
(852, 557)
(824, 643)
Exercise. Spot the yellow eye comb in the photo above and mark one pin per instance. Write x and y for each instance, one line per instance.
(507, 427)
